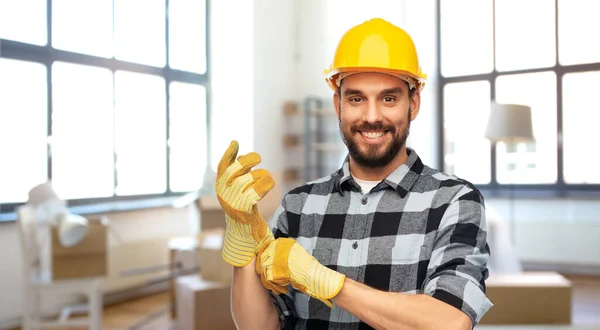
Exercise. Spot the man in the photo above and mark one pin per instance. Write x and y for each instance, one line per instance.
(385, 242)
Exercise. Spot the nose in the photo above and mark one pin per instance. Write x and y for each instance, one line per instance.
(372, 112)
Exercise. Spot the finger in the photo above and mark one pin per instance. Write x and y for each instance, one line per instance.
(273, 287)
(266, 283)
(257, 189)
(258, 265)
(228, 158)
(266, 257)
(246, 162)
(234, 193)
(326, 302)
(276, 288)
(263, 182)
(264, 245)
(265, 261)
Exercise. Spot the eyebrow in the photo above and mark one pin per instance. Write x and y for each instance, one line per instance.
(349, 92)
(393, 90)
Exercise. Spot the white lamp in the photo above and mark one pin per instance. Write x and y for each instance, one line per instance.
(509, 123)
(48, 207)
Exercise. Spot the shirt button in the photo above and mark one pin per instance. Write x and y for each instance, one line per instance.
(364, 201)
(355, 245)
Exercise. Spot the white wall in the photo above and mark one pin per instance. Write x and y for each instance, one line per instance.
(275, 25)
(231, 75)
(10, 277)
(561, 232)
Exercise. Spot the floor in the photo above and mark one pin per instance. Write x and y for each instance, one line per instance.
(586, 300)
(150, 313)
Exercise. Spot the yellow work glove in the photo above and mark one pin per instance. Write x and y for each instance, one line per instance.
(285, 261)
(238, 191)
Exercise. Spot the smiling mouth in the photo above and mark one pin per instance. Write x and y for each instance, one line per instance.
(373, 136)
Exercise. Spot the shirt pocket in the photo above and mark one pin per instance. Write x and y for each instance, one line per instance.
(406, 254)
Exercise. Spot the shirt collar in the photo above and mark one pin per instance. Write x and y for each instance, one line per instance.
(401, 179)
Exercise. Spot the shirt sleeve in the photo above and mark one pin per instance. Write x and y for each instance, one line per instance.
(458, 266)
(284, 303)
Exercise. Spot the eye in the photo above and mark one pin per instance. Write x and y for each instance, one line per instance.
(389, 99)
(355, 99)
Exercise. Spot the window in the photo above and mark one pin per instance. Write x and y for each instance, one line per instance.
(537, 53)
(23, 128)
(106, 109)
(82, 131)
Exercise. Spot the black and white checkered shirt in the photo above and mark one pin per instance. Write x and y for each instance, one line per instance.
(419, 231)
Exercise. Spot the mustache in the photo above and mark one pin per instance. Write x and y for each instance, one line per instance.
(378, 126)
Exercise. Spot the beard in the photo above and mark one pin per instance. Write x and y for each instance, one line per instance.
(374, 156)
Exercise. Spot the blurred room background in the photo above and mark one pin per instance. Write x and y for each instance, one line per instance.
(127, 106)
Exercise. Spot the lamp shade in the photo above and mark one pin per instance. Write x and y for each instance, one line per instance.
(72, 229)
(45, 202)
(50, 209)
(42, 193)
(509, 123)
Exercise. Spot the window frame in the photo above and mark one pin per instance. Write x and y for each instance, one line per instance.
(47, 55)
(494, 188)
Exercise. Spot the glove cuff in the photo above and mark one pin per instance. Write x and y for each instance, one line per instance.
(325, 283)
(238, 246)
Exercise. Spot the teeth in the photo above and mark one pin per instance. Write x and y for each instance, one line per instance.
(373, 135)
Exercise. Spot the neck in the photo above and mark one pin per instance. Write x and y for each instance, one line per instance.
(378, 173)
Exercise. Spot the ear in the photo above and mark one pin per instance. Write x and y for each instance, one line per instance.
(415, 105)
(336, 104)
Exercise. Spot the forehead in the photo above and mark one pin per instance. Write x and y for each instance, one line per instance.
(371, 82)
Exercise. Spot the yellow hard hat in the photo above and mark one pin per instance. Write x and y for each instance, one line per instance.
(376, 46)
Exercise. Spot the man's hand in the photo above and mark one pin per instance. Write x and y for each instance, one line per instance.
(238, 191)
(285, 261)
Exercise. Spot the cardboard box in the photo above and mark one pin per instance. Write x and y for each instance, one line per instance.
(86, 259)
(291, 140)
(212, 265)
(211, 213)
(529, 298)
(290, 108)
(203, 305)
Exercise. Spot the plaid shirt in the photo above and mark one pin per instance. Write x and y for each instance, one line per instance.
(419, 231)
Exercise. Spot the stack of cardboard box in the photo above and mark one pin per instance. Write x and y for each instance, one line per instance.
(88, 258)
(528, 298)
(203, 300)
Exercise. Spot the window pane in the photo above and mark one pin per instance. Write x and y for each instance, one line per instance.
(140, 133)
(82, 131)
(187, 35)
(581, 115)
(462, 22)
(466, 109)
(140, 34)
(83, 26)
(577, 21)
(525, 35)
(188, 147)
(23, 128)
(24, 21)
(522, 163)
